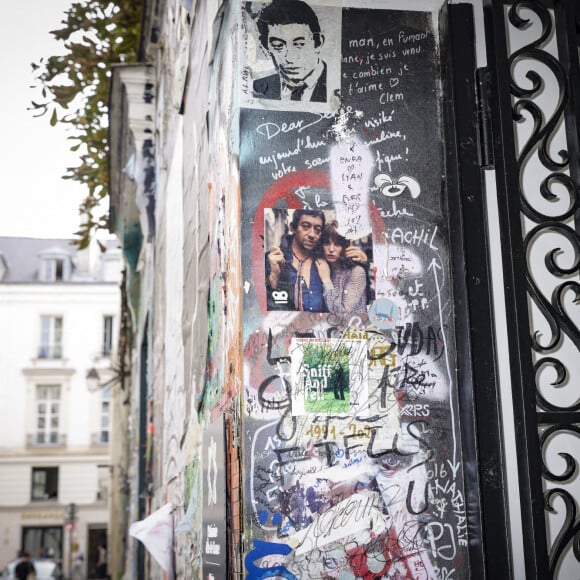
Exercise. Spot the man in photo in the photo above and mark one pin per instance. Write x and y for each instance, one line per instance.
(293, 280)
(290, 33)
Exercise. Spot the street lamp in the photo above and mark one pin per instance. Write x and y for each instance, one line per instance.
(94, 379)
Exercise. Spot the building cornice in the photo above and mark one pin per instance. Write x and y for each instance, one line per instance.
(68, 457)
(44, 371)
(131, 142)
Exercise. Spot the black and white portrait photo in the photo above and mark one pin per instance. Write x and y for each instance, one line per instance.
(288, 54)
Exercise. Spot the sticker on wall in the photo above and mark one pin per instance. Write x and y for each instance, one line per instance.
(393, 188)
(329, 376)
(384, 314)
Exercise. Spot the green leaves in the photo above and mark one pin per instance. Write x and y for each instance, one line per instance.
(75, 91)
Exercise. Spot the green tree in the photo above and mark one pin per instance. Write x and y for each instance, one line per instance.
(74, 89)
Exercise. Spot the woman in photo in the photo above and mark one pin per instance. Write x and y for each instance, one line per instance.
(344, 281)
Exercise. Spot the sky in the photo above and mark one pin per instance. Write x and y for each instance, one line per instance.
(34, 199)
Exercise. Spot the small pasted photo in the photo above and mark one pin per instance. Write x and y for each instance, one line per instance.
(310, 266)
(289, 50)
(329, 376)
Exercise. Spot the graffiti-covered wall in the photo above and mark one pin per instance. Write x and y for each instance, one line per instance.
(351, 450)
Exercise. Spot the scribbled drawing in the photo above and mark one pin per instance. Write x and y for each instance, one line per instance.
(264, 516)
(387, 186)
(268, 565)
(385, 316)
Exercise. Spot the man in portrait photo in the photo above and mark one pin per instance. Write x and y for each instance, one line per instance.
(293, 281)
(289, 31)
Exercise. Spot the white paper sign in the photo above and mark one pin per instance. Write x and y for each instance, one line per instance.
(155, 532)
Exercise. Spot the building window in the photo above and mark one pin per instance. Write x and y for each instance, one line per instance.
(107, 335)
(44, 483)
(47, 414)
(55, 269)
(112, 266)
(3, 267)
(43, 542)
(103, 475)
(52, 270)
(105, 420)
(50, 337)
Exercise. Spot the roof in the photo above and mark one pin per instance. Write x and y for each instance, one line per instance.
(22, 257)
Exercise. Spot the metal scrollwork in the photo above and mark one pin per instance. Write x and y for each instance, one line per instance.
(560, 190)
(571, 464)
(541, 135)
(570, 531)
(538, 142)
(561, 378)
(553, 310)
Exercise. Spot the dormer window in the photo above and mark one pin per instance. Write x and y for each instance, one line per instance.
(3, 267)
(112, 266)
(55, 266)
(53, 270)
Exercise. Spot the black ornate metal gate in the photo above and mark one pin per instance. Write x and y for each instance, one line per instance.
(532, 49)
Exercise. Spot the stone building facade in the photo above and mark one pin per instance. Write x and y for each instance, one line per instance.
(59, 314)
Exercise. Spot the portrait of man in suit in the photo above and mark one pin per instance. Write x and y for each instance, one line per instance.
(289, 31)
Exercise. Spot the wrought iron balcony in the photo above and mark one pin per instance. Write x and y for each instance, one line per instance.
(50, 351)
(44, 440)
(100, 439)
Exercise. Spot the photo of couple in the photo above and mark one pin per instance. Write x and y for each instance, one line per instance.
(311, 267)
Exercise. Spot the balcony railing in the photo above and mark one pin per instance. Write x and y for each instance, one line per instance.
(100, 439)
(102, 493)
(46, 440)
(50, 351)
